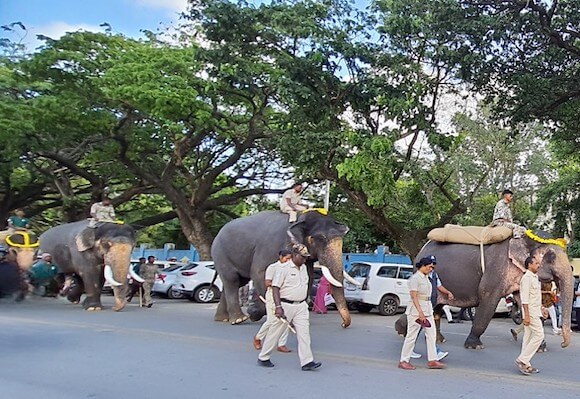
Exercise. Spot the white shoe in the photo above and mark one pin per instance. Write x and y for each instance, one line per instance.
(441, 355)
(557, 331)
(415, 355)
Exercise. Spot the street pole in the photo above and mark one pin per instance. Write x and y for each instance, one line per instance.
(327, 195)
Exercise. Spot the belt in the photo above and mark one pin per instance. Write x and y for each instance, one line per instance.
(292, 302)
(423, 297)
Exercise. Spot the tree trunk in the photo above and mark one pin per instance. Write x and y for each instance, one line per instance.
(197, 232)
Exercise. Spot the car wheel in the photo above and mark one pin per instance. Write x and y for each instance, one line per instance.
(173, 294)
(205, 294)
(363, 307)
(389, 306)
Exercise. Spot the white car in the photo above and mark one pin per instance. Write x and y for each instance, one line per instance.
(383, 285)
(165, 279)
(194, 282)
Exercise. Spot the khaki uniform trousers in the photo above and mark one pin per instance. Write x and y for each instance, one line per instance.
(147, 287)
(300, 317)
(533, 337)
(413, 329)
(293, 214)
(271, 319)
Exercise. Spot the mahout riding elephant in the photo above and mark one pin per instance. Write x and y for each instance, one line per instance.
(23, 244)
(459, 268)
(245, 247)
(93, 255)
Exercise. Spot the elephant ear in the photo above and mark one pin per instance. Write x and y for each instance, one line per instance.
(85, 239)
(296, 232)
(518, 252)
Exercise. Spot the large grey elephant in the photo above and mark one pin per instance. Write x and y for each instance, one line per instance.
(245, 247)
(95, 255)
(460, 271)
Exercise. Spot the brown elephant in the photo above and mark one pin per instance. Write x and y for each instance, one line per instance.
(459, 268)
(93, 254)
(245, 247)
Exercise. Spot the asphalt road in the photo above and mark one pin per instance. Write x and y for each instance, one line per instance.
(50, 348)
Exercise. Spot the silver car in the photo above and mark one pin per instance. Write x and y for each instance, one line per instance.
(194, 282)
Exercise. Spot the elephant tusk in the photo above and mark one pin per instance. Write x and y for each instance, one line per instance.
(109, 277)
(326, 273)
(351, 280)
(135, 276)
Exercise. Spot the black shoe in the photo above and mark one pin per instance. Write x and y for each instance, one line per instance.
(451, 321)
(265, 363)
(311, 366)
(149, 305)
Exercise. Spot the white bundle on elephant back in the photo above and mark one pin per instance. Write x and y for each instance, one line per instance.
(474, 235)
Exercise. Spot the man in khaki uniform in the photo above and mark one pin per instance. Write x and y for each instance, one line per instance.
(290, 202)
(289, 290)
(148, 271)
(531, 297)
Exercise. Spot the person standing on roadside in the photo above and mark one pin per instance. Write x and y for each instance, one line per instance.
(531, 297)
(420, 314)
(290, 290)
(148, 271)
(283, 257)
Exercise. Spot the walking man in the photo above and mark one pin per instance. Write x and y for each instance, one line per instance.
(148, 271)
(283, 257)
(289, 290)
(531, 297)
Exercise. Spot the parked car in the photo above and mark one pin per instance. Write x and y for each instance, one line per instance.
(194, 282)
(165, 279)
(161, 265)
(383, 285)
(505, 306)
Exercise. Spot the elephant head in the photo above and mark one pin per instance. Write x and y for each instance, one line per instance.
(323, 237)
(23, 245)
(555, 266)
(111, 244)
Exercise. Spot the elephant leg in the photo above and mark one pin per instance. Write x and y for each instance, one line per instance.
(440, 338)
(231, 292)
(221, 314)
(92, 284)
(483, 316)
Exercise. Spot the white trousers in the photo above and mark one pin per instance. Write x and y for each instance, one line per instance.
(553, 318)
(270, 320)
(533, 337)
(299, 316)
(413, 330)
(293, 214)
(447, 311)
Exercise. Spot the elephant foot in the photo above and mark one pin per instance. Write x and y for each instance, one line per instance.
(93, 309)
(473, 342)
(225, 318)
(441, 339)
(240, 320)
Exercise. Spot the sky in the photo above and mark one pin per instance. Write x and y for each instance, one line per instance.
(53, 18)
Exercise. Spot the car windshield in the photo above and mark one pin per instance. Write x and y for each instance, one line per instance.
(172, 268)
(359, 270)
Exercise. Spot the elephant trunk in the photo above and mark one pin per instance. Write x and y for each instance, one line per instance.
(119, 258)
(331, 257)
(566, 287)
(25, 257)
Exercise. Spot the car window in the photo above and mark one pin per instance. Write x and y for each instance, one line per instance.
(172, 268)
(405, 273)
(189, 267)
(359, 270)
(387, 271)
(210, 266)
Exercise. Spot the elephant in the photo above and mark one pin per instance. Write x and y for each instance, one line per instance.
(460, 271)
(243, 249)
(93, 255)
(23, 245)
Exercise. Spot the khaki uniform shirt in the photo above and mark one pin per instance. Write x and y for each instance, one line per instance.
(148, 271)
(102, 212)
(292, 281)
(294, 197)
(270, 271)
(502, 211)
(420, 283)
(531, 293)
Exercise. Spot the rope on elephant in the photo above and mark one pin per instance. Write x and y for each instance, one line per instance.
(561, 242)
(29, 240)
(322, 211)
